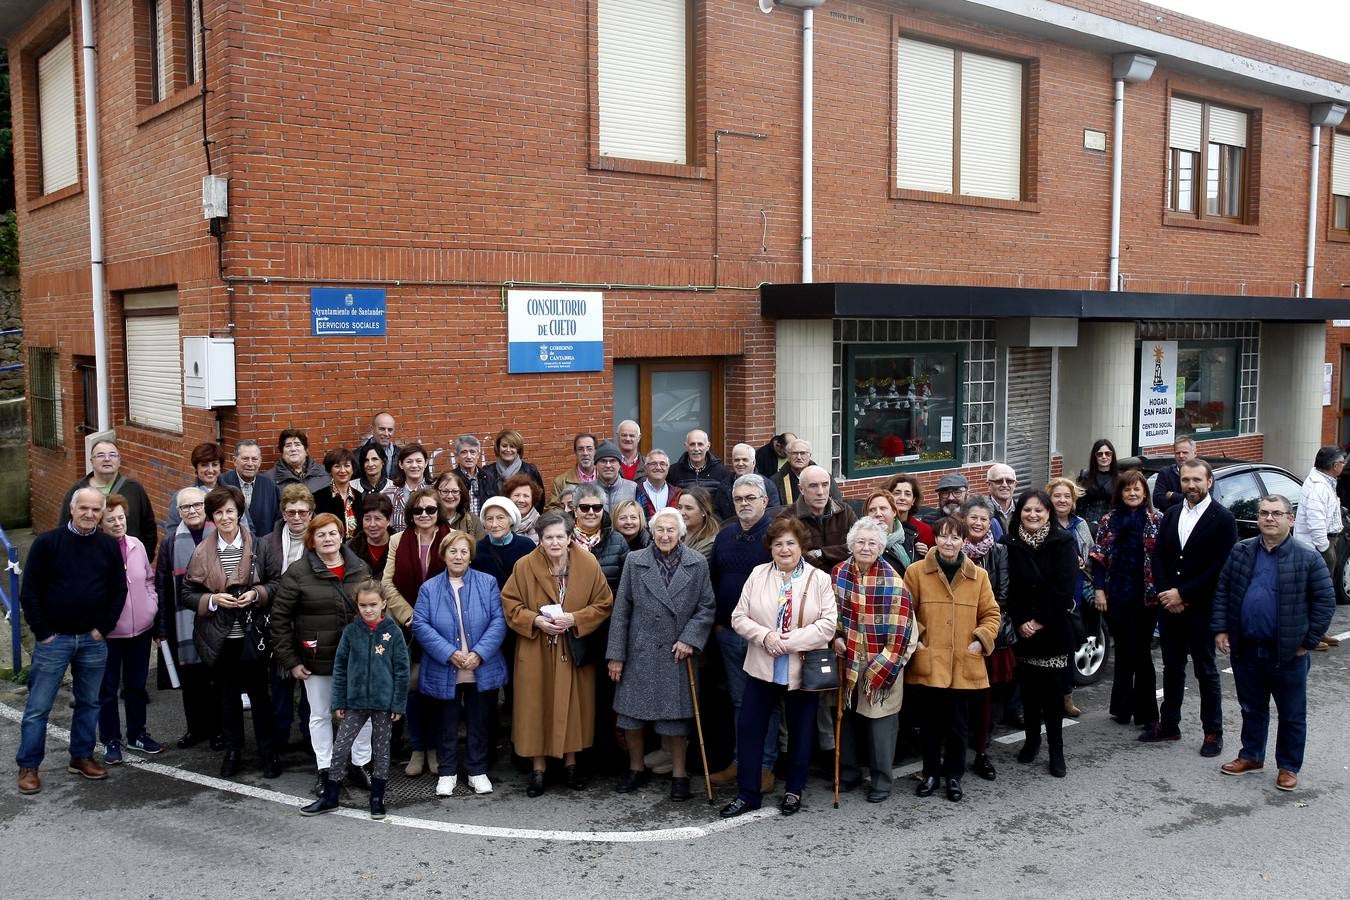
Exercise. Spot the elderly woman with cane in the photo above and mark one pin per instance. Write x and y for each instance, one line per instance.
(663, 614)
(873, 645)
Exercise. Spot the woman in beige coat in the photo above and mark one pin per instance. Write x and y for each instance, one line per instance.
(554, 701)
(786, 608)
(958, 622)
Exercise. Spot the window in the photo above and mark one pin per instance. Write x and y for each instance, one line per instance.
(159, 59)
(1340, 181)
(958, 122)
(902, 408)
(56, 117)
(644, 79)
(44, 395)
(154, 360)
(192, 19)
(668, 398)
(87, 378)
(1207, 374)
(1207, 160)
(1242, 494)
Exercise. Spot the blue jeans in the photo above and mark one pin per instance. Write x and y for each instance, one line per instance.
(732, 646)
(128, 667)
(472, 707)
(1259, 675)
(86, 658)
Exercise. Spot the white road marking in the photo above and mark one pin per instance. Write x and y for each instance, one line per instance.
(1342, 636)
(1016, 736)
(686, 833)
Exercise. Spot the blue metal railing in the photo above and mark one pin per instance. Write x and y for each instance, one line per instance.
(9, 594)
(14, 367)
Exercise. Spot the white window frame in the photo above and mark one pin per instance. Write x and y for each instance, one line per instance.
(644, 63)
(960, 121)
(154, 362)
(1340, 181)
(58, 142)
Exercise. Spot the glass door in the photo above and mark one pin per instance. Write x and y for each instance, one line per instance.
(668, 399)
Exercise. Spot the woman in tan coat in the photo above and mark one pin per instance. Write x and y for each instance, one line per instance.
(554, 701)
(958, 621)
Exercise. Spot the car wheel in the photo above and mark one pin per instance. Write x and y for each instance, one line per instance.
(1089, 660)
(1343, 581)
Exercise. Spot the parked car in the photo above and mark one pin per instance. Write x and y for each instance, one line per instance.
(1239, 485)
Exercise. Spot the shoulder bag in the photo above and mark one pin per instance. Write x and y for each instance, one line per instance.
(820, 668)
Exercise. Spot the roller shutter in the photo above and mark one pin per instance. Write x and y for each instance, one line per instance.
(1028, 434)
(154, 361)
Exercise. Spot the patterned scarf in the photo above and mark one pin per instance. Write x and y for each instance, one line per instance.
(587, 541)
(184, 543)
(976, 552)
(786, 589)
(667, 562)
(1105, 550)
(874, 621)
(1033, 539)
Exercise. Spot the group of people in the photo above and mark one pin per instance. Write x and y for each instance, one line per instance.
(399, 599)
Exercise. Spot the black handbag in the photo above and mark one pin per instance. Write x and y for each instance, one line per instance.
(579, 649)
(820, 668)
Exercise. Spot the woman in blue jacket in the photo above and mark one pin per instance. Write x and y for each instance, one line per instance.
(459, 623)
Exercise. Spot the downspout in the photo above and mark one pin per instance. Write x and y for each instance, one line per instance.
(1134, 68)
(1323, 115)
(94, 189)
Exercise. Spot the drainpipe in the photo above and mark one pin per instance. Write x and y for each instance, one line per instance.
(808, 8)
(1323, 115)
(1134, 68)
(94, 190)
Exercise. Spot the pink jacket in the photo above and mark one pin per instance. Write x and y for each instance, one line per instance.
(142, 606)
(755, 614)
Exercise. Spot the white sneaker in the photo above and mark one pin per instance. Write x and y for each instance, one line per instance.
(445, 785)
(480, 784)
(247, 703)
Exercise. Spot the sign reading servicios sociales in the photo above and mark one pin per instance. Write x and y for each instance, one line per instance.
(346, 311)
(555, 331)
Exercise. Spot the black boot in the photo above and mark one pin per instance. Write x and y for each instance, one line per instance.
(321, 782)
(326, 803)
(377, 797)
(229, 764)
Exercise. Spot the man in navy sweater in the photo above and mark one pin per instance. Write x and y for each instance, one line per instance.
(738, 548)
(73, 591)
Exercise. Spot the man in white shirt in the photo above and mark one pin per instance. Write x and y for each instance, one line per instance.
(1318, 522)
(654, 492)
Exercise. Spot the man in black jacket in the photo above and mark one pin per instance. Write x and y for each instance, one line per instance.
(1167, 486)
(698, 467)
(105, 474)
(73, 593)
(1193, 543)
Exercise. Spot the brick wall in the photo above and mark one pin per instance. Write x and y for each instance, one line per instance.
(446, 147)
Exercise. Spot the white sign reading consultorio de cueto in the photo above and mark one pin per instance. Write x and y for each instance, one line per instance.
(555, 331)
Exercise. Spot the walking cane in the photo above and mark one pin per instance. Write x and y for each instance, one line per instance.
(838, 723)
(698, 726)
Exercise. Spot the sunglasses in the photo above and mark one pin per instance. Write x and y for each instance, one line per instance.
(590, 507)
(425, 511)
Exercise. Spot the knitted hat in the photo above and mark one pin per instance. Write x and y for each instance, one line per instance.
(507, 507)
(607, 450)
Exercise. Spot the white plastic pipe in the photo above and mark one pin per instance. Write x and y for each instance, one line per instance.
(1117, 138)
(94, 190)
(808, 127)
(1312, 211)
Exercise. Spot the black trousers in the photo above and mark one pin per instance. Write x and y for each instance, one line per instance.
(235, 676)
(201, 701)
(1043, 701)
(943, 728)
(1134, 684)
(1186, 634)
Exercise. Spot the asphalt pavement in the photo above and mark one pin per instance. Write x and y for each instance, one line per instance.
(1129, 820)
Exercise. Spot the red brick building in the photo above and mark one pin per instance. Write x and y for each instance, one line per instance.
(445, 154)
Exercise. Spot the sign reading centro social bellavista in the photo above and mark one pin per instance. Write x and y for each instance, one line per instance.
(555, 331)
(1157, 393)
(346, 311)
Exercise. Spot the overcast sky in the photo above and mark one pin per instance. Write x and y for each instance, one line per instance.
(1320, 26)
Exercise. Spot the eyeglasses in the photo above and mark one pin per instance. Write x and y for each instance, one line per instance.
(188, 507)
(590, 507)
(1003, 481)
(297, 513)
(1103, 452)
(112, 455)
(425, 511)
(448, 492)
(1272, 514)
(747, 498)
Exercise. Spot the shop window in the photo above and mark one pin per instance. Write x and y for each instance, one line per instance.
(60, 165)
(44, 396)
(644, 79)
(902, 408)
(959, 121)
(1207, 160)
(154, 360)
(1340, 181)
(668, 399)
(1207, 379)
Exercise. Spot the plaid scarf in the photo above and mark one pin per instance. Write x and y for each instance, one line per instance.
(874, 621)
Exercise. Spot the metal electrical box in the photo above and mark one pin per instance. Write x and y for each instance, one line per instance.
(208, 372)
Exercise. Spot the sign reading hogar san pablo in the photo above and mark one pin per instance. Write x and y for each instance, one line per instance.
(555, 331)
(1157, 393)
(347, 311)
